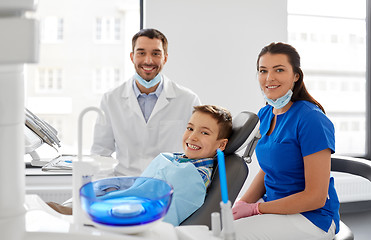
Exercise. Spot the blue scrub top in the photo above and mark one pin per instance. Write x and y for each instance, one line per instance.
(303, 130)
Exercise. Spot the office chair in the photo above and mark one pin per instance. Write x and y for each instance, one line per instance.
(355, 166)
(244, 131)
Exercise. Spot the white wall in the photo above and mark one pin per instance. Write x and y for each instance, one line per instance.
(213, 45)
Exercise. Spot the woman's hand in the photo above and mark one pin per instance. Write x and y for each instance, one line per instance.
(243, 209)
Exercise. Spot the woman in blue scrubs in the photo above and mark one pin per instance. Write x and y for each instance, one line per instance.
(293, 194)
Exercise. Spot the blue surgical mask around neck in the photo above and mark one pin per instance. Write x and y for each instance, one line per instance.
(150, 83)
(279, 102)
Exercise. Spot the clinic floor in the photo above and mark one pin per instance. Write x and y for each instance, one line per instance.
(359, 222)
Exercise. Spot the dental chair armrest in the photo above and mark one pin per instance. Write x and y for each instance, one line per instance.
(357, 166)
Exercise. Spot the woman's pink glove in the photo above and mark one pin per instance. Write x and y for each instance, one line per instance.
(243, 209)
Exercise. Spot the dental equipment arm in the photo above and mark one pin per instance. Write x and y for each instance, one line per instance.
(82, 171)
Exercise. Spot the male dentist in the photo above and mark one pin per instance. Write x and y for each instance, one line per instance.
(148, 113)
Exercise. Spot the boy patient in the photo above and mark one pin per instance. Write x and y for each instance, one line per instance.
(189, 173)
(208, 129)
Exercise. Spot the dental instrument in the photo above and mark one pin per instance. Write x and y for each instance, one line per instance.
(228, 232)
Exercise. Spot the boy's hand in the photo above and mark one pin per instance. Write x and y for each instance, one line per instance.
(243, 209)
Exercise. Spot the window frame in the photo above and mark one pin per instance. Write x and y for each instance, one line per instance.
(114, 25)
(368, 80)
(49, 73)
(58, 36)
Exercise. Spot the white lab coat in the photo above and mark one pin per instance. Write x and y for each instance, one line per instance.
(135, 141)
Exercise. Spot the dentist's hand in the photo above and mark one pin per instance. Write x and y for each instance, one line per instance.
(243, 209)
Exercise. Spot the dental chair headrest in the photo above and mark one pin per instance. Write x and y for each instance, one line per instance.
(242, 126)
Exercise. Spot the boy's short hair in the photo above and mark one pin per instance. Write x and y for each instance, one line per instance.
(221, 115)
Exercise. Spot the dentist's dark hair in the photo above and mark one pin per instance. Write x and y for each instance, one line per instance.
(300, 92)
(150, 33)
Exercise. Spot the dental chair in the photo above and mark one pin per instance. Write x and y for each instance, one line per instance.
(244, 133)
(355, 166)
